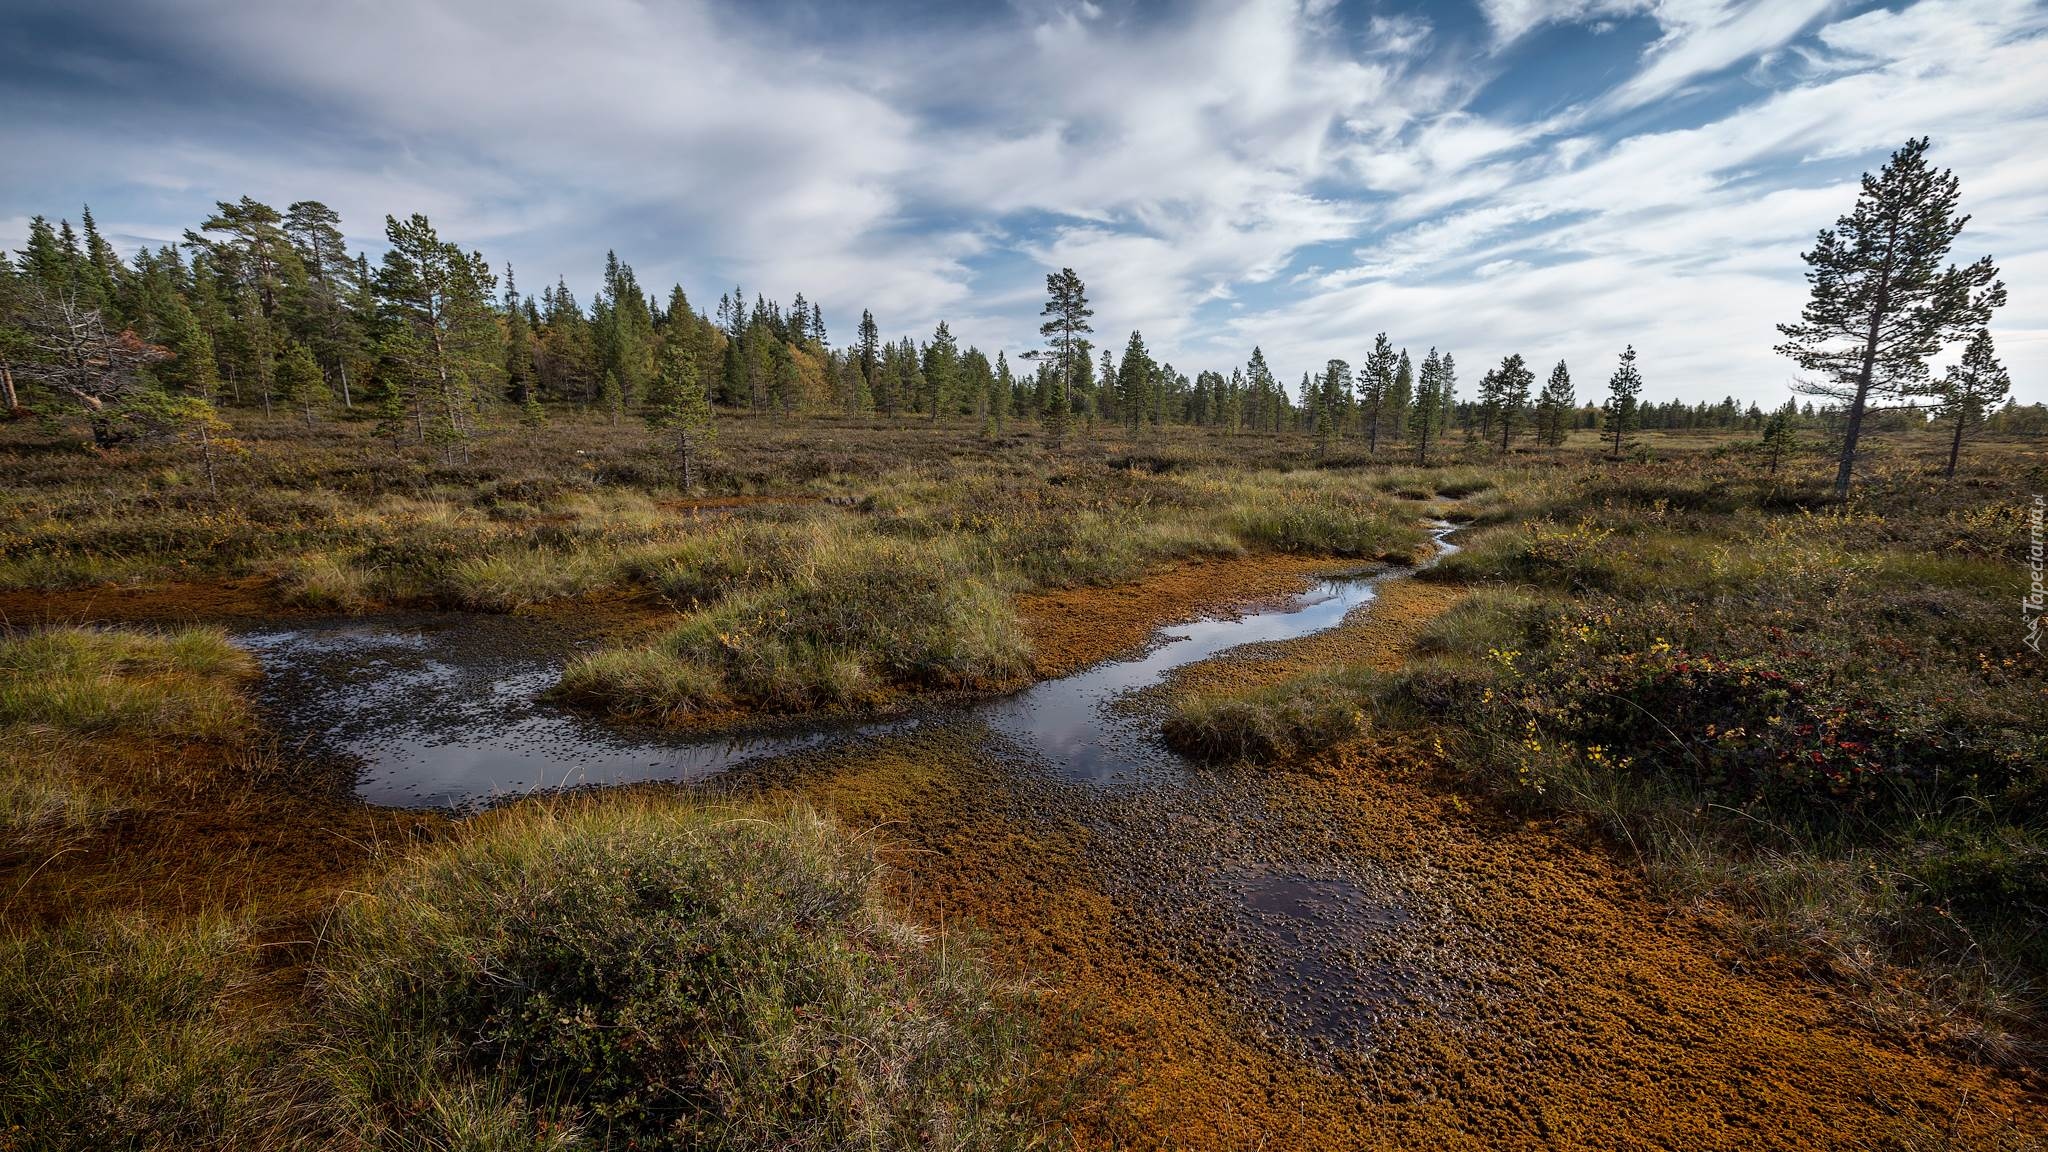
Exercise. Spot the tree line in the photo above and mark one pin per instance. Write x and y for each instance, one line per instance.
(261, 308)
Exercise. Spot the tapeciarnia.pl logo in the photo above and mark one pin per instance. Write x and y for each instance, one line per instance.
(2037, 595)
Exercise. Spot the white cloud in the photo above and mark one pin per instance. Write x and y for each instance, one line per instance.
(1222, 174)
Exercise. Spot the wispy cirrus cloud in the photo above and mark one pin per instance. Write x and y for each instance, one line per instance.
(1294, 174)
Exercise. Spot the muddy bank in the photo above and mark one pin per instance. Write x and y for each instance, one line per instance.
(1347, 954)
(1071, 628)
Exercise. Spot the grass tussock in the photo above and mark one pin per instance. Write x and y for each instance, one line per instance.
(625, 972)
(121, 1032)
(66, 693)
(654, 975)
(1295, 718)
(857, 619)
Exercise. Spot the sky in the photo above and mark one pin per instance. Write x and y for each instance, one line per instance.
(1558, 178)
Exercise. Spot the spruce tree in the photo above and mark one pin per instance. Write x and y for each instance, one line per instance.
(519, 381)
(1332, 399)
(1968, 391)
(941, 371)
(99, 271)
(869, 348)
(1263, 393)
(1133, 376)
(1881, 300)
(680, 407)
(1001, 390)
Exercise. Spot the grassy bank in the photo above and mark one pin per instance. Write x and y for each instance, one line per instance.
(1817, 718)
(625, 971)
(913, 593)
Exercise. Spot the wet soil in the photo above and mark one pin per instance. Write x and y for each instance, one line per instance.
(1346, 954)
(1343, 953)
(1072, 628)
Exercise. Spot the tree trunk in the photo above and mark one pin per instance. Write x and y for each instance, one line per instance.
(206, 454)
(347, 401)
(1868, 371)
(8, 399)
(1854, 428)
(1955, 444)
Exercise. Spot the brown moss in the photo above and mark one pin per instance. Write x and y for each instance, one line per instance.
(231, 598)
(1071, 628)
(1620, 1023)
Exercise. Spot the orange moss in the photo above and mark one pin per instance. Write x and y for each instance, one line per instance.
(1379, 636)
(1619, 1023)
(1071, 628)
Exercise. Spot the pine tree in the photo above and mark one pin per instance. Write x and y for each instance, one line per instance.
(1425, 420)
(1623, 389)
(1065, 330)
(1781, 435)
(1881, 301)
(1512, 381)
(258, 269)
(444, 332)
(1969, 390)
(298, 379)
(1554, 410)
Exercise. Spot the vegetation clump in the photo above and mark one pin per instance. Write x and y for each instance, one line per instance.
(64, 692)
(656, 975)
(1296, 718)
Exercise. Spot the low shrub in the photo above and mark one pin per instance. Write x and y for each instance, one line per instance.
(646, 974)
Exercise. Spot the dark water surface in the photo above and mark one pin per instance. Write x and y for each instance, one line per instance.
(1209, 870)
(444, 709)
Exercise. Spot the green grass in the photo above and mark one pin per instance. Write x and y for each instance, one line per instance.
(826, 609)
(1297, 717)
(655, 975)
(64, 688)
(120, 1032)
(855, 618)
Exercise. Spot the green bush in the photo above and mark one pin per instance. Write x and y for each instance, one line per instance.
(641, 974)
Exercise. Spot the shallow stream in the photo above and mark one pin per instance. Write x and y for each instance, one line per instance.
(1210, 875)
(444, 710)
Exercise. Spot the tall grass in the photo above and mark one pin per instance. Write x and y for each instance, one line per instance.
(64, 690)
(119, 1032)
